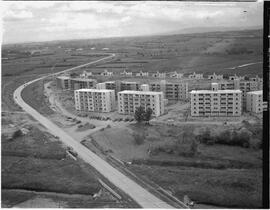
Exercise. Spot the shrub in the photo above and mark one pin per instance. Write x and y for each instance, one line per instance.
(138, 139)
(17, 134)
(206, 138)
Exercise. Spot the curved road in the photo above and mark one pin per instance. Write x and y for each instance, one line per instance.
(144, 198)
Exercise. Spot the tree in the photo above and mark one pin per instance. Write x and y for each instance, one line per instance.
(148, 114)
(139, 114)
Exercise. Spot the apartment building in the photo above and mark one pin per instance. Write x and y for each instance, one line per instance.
(171, 90)
(109, 85)
(254, 102)
(125, 73)
(142, 74)
(216, 102)
(195, 76)
(66, 82)
(127, 85)
(129, 101)
(159, 75)
(144, 87)
(106, 73)
(235, 77)
(175, 75)
(215, 76)
(86, 74)
(94, 100)
(244, 86)
(63, 82)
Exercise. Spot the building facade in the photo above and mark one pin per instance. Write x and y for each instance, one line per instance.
(244, 86)
(215, 76)
(216, 102)
(254, 102)
(71, 83)
(129, 101)
(195, 76)
(94, 100)
(171, 91)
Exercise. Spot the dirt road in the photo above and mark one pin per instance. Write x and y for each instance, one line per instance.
(135, 191)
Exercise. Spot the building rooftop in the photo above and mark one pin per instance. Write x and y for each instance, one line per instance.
(258, 92)
(95, 90)
(82, 79)
(63, 77)
(140, 92)
(216, 91)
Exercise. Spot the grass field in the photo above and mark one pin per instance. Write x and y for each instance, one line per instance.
(36, 163)
(218, 175)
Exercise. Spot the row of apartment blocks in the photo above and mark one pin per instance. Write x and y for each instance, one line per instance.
(171, 90)
(226, 102)
(102, 100)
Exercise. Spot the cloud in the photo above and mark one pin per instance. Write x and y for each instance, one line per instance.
(17, 15)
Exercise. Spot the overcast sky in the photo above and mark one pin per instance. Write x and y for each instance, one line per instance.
(44, 21)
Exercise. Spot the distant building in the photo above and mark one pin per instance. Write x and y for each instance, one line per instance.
(215, 102)
(142, 74)
(129, 101)
(80, 83)
(171, 90)
(175, 75)
(63, 82)
(125, 73)
(234, 77)
(108, 85)
(94, 100)
(106, 73)
(145, 87)
(195, 76)
(258, 80)
(159, 75)
(215, 76)
(127, 85)
(254, 102)
(86, 74)
(66, 82)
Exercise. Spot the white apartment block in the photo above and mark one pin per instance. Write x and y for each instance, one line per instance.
(215, 76)
(94, 100)
(234, 77)
(142, 74)
(107, 73)
(145, 87)
(195, 76)
(125, 73)
(254, 102)
(86, 74)
(63, 82)
(66, 82)
(175, 75)
(159, 75)
(171, 90)
(129, 101)
(216, 102)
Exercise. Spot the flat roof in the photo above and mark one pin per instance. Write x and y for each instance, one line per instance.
(94, 90)
(63, 77)
(140, 92)
(82, 79)
(216, 91)
(258, 92)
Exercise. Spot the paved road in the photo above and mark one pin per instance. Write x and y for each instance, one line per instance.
(135, 191)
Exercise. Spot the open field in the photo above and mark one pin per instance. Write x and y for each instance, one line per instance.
(218, 175)
(204, 53)
(37, 172)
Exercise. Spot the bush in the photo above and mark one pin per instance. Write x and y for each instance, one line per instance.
(17, 134)
(206, 138)
(138, 139)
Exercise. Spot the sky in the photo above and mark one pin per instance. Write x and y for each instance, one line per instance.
(26, 21)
